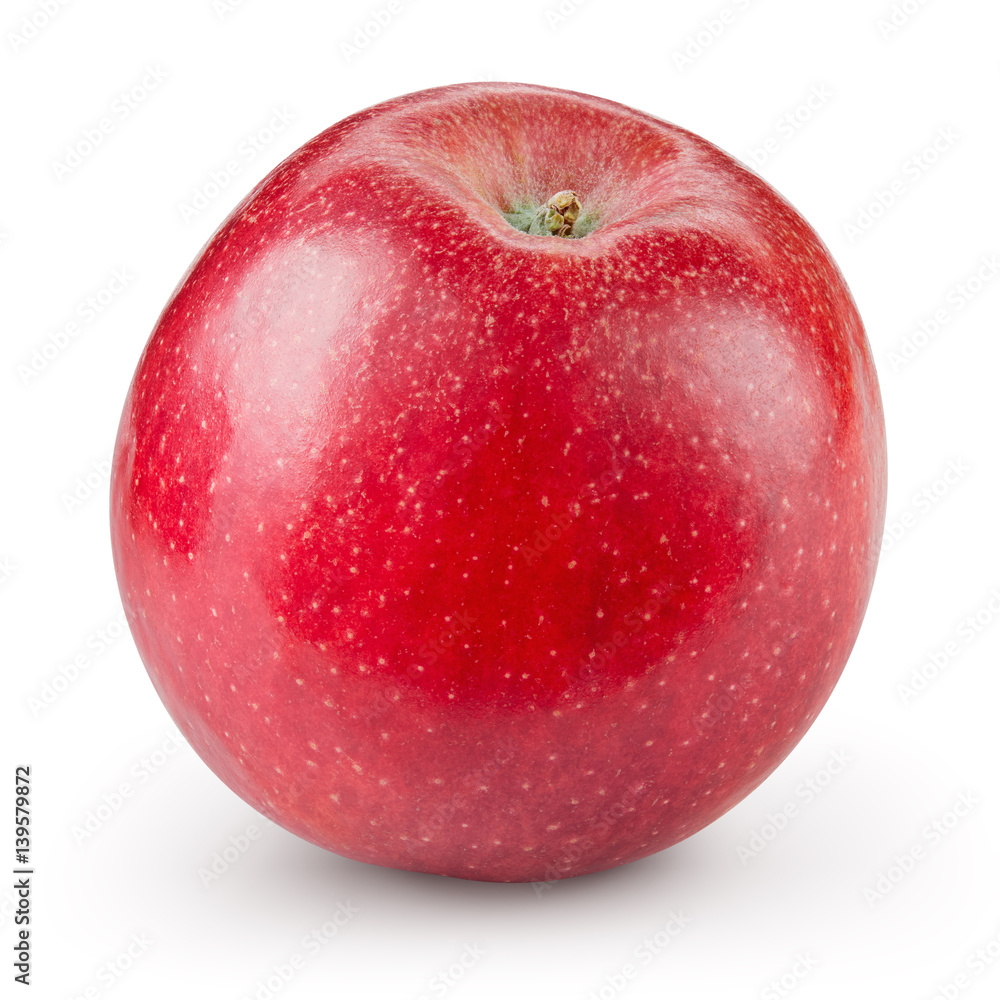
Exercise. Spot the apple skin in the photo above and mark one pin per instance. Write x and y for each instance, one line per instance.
(458, 549)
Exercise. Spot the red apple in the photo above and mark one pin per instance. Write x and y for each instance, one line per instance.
(499, 493)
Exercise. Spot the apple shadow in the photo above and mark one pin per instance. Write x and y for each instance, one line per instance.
(644, 886)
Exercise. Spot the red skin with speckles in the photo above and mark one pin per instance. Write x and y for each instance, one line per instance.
(459, 549)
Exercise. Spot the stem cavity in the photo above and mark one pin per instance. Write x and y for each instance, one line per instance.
(557, 217)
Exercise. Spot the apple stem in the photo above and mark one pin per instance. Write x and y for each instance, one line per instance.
(557, 216)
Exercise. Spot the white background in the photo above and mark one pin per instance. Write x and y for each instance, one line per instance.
(881, 96)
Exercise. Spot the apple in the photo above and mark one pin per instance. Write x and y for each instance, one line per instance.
(499, 494)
